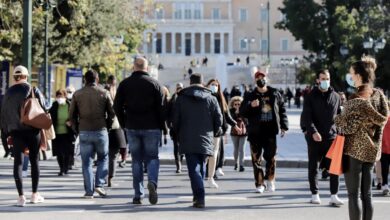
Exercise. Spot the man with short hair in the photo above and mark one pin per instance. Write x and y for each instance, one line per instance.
(91, 113)
(197, 120)
(321, 106)
(139, 106)
(264, 108)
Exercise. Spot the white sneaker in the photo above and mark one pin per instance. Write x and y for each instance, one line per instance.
(386, 191)
(212, 184)
(220, 172)
(315, 199)
(21, 201)
(260, 189)
(335, 201)
(37, 198)
(271, 185)
(24, 173)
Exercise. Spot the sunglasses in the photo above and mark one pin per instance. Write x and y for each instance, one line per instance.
(236, 104)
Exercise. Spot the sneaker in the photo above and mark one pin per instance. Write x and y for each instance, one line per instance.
(235, 166)
(86, 196)
(21, 201)
(101, 191)
(24, 173)
(260, 189)
(199, 205)
(36, 198)
(335, 201)
(153, 196)
(242, 169)
(271, 185)
(212, 184)
(386, 191)
(137, 201)
(315, 199)
(220, 172)
(60, 174)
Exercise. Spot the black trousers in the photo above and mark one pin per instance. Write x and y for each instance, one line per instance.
(385, 163)
(63, 149)
(317, 152)
(221, 154)
(358, 179)
(4, 142)
(117, 141)
(266, 146)
(22, 140)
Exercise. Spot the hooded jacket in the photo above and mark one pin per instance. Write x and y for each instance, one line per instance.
(197, 119)
(362, 122)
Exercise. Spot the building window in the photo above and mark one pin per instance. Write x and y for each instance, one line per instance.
(264, 45)
(177, 11)
(264, 15)
(284, 45)
(187, 11)
(243, 14)
(243, 44)
(216, 14)
(159, 13)
(197, 11)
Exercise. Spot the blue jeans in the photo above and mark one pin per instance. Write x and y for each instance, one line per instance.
(143, 146)
(26, 160)
(92, 142)
(196, 164)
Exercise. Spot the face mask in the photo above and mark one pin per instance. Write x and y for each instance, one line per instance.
(61, 101)
(69, 95)
(261, 83)
(325, 84)
(349, 80)
(214, 89)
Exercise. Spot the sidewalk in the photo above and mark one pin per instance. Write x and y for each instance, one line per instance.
(292, 149)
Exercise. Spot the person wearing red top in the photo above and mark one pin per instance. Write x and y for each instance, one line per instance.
(385, 158)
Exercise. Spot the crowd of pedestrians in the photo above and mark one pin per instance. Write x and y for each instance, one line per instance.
(135, 117)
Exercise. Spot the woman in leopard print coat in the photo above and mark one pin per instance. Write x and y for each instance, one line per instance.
(362, 122)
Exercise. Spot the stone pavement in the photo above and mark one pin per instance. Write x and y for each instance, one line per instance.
(235, 198)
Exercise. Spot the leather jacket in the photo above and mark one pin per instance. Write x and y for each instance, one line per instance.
(12, 104)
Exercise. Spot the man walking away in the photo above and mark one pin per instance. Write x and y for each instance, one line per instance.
(139, 106)
(92, 114)
(197, 120)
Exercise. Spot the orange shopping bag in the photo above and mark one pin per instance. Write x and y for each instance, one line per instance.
(335, 153)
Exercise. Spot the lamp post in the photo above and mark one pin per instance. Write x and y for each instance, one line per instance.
(295, 62)
(287, 63)
(374, 46)
(284, 63)
(27, 33)
(46, 5)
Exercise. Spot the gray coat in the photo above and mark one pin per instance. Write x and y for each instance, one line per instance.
(197, 120)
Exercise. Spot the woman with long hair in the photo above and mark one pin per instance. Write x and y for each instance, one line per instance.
(362, 122)
(238, 138)
(215, 88)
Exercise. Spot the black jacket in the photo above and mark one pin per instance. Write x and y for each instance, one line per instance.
(12, 104)
(139, 103)
(319, 111)
(253, 114)
(54, 116)
(197, 120)
(227, 118)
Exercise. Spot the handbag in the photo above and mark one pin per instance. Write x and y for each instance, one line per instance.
(32, 113)
(335, 153)
(50, 133)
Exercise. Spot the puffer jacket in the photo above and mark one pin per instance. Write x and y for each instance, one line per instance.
(12, 104)
(362, 122)
(197, 119)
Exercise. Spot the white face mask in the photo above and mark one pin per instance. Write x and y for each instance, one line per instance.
(61, 101)
(69, 95)
(214, 88)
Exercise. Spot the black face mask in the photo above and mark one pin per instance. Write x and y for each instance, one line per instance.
(261, 83)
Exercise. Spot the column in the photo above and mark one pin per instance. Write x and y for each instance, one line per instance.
(154, 42)
(163, 42)
(183, 42)
(202, 43)
(192, 43)
(222, 39)
(230, 10)
(230, 43)
(173, 42)
(145, 45)
(212, 42)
